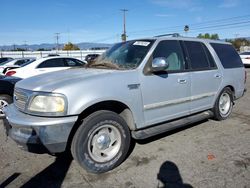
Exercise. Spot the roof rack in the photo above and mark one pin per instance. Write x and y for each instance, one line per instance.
(169, 34)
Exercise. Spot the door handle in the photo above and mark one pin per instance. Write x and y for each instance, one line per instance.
(182, 81)
(217, 76)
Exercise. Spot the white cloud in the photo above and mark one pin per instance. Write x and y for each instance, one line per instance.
(189, 5)
(229, 3)
(178, 4)
(198, 19)
(165, 15)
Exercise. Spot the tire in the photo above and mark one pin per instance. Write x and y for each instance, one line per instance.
(5, 100)
(101, 142)
(223, 107)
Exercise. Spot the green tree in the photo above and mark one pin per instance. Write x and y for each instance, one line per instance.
(208, 36)
(70, 46)
(237, 43)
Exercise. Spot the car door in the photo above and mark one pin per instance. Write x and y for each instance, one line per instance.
(166, 94)
(205, 76)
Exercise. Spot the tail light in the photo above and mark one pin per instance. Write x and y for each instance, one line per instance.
(10, 73)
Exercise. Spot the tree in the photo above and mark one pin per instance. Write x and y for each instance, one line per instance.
(237, 43)
(208, 36)
(70, 46)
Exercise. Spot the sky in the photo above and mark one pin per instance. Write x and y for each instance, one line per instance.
(35, 22)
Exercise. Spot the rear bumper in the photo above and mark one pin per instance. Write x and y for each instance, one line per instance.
(38, 134)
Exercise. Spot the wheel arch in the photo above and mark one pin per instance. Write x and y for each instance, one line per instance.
(115, 106)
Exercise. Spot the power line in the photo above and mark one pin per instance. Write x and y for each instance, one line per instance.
(211, 22)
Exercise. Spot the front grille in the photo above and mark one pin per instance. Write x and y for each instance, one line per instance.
(20, 98)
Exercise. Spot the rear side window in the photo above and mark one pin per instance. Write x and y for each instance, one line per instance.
(73, 63)
(227, 55)
(20, 62)
(198, 57)
(58, 62)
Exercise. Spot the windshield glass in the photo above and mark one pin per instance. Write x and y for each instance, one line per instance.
(125, 55)
(5, 62)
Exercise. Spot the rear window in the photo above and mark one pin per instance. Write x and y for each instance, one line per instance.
(227, 55)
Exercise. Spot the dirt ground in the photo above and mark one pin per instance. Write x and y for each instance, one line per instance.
(206, 154)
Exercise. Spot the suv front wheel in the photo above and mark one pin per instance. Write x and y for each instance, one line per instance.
(101, 142)
(223, 105)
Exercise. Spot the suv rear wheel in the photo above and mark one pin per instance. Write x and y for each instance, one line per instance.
(5, 100)
(101, 142)
(224, 105)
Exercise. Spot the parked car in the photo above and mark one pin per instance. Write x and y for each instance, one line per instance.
(5, 59)
(45, 65)
(6, 91)
(90, 58)
(245, 57)
(137, 89)
(15, 63)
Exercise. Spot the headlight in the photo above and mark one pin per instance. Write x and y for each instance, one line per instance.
(49, 104)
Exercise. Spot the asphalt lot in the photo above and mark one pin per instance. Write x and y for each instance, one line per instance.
(206, 154)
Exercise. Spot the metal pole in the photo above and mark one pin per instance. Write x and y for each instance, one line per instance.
(57, 41)
(124, 35)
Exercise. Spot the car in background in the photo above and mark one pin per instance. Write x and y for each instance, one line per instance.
(91, 57)
(15, 63)
(5, 59)
(245, 57)
(6, 91)
(45, 65)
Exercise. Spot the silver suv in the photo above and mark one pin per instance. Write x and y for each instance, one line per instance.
(136, 89)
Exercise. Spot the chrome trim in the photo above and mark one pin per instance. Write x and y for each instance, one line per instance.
(177, 101)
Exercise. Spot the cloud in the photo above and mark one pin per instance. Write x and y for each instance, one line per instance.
(198, 19)
(196, 9)
(177, 4)
(189, 5)
(165, 15)
(229, 4)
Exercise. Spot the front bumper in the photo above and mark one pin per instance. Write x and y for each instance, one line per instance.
(38, 134)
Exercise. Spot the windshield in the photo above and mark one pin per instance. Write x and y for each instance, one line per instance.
(125, 55)
(5, 62)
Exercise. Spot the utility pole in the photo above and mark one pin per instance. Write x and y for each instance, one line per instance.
(57, 40)
(25, 45)
(124, 35)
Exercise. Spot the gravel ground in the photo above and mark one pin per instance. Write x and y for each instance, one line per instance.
(206, 154)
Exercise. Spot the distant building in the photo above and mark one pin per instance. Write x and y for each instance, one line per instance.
(245, 49)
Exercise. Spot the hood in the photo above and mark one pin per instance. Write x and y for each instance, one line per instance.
(51, 81)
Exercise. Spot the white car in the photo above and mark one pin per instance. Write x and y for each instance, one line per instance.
(45, 65)
(15, 63)
(245, 57)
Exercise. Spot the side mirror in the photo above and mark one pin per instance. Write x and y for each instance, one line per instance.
(159, 64)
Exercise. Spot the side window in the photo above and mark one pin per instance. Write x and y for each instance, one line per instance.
(58, 62)
(73, 63)
(197, 55)
(227, 55)
(209, 57)
(171, 50)
(20, 62)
